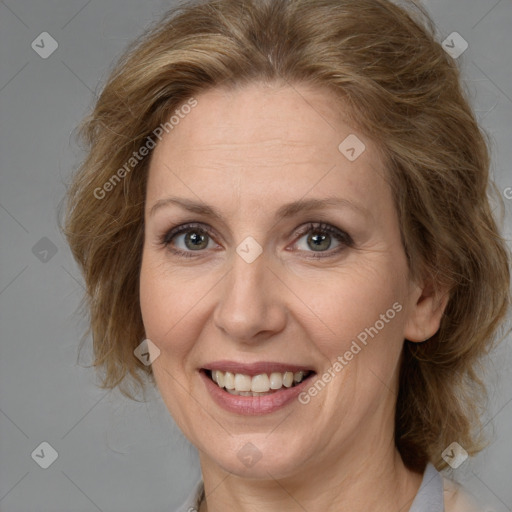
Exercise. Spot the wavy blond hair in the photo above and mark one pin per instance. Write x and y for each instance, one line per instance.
(402, 91)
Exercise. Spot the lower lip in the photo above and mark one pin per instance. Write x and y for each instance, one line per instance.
(252, 405)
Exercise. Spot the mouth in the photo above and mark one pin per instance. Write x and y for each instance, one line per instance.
(257, 388)
(262, 384)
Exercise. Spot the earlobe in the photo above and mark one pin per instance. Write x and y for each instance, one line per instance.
(426, 308)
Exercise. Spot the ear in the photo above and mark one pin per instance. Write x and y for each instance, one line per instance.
(426, 307)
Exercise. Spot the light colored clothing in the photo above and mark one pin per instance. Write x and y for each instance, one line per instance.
(193, 501)
(436, 494)
(456, 499)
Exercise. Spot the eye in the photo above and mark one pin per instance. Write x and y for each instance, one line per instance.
(319, 238)
(188, 238)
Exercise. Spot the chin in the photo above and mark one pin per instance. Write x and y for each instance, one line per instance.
(257, 457)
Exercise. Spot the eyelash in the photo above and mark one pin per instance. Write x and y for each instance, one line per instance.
(319, 228)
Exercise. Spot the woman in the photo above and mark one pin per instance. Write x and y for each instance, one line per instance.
(287, 201)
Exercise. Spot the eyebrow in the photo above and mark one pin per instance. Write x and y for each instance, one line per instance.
(286, 211)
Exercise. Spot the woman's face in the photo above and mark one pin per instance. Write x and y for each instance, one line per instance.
(289, 259)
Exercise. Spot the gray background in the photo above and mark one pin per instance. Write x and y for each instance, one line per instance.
(115, 454)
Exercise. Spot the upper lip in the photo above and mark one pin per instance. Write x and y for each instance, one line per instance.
(256, 368)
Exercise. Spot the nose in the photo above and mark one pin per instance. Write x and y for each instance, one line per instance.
(252, 301)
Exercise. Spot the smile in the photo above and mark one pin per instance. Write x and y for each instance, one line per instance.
(254, 389)
(258, 385)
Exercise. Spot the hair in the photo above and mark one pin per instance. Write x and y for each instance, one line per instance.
(401, 89)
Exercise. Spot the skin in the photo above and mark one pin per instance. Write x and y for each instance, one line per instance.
(247, 152)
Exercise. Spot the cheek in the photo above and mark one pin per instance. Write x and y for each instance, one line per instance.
(355, 301)
(165, 310)
(162, 303)
(153, 302)
(365, 316)
(364, 310)
(172, 307)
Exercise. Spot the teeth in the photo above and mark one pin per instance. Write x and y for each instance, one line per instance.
(260, 383)
(242, 382)
(247, 393)
(276, 380)
(298, 376)
(229, 380)
(288, 379)
(263, 384)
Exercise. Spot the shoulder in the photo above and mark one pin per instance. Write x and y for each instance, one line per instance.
(456, 499)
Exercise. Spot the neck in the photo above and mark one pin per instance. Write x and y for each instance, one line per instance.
(362, 479)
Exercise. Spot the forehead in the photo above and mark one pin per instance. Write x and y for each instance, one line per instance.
(266, 116)
(266, 141)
